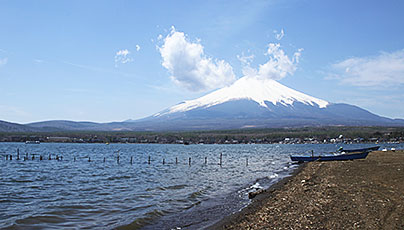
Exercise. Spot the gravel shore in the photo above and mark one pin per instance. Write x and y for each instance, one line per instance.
(360, 194)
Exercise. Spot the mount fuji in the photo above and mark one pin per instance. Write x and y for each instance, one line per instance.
(254, 102)
(250, 102)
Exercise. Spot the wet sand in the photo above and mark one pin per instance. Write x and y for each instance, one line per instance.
(360, 194)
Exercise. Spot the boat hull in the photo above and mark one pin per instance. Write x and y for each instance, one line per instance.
(360, 150)
(342, 157)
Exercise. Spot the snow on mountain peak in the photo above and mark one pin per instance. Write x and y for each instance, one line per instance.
(251, 88)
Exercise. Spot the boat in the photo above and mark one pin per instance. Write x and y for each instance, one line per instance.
(32, 142)
(340, 157)
(374, 148)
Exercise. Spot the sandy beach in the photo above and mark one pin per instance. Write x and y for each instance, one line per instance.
(360, 194)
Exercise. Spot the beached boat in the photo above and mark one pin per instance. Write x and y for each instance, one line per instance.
(374, 148)
(340, 157)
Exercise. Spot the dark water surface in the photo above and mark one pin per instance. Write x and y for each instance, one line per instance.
(75, 193)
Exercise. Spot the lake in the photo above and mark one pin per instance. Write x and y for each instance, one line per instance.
(181, 186)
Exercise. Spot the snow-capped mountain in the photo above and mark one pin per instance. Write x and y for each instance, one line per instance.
(261, 91)
(256, 102)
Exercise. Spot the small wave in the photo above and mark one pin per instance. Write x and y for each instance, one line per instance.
(275, 175)
(118, 177)
(41, 219)
(196, 194)
(176, 187)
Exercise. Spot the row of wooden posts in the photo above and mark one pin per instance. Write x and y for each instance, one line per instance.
(10, 157)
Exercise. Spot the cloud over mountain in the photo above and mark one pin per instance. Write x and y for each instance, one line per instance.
(190, 68)
(279, 64)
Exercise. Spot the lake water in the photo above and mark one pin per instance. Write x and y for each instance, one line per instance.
(82, 191)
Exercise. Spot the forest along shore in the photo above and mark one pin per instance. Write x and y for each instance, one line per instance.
(359, 194)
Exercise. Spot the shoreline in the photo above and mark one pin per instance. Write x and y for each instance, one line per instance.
(256, 202)
(364, 194)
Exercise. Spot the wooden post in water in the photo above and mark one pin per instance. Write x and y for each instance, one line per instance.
(18, 154)
(74, 159)
(164, 161)
(50, 158)
(40, 157)
(220, 159)
(104, 159)
(176, 160)
(117, 159)
(26, 155)
(33, 156)
(148, 160)
(11, 157)
(189, 161)
(131, 160)
(246, 161)
(206, 160)
(89, 159)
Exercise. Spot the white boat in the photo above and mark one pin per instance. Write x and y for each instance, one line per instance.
(32, 142)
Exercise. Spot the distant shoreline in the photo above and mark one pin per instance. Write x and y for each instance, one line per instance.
(308, 135)
(324, 195)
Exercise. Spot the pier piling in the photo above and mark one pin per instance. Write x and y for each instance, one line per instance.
(176, 160)
(220, 159)
(206, 160)
(131, 160)
(164, 161)
(148, 160)
(189, 161)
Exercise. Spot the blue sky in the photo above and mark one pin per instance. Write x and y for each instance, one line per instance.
(104, 60)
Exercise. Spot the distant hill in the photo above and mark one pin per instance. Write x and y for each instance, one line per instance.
(13, 127)
(65, 125)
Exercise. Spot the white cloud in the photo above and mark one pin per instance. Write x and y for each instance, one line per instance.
(137, 47)
(279, 35)
(123, 56)
(3, 61)
(246, 61)
(279, 64)
(190, 67)
(386, 69)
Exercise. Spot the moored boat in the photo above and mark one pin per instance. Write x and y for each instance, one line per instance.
(340, 157)
(32, 142)
(374, 148)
